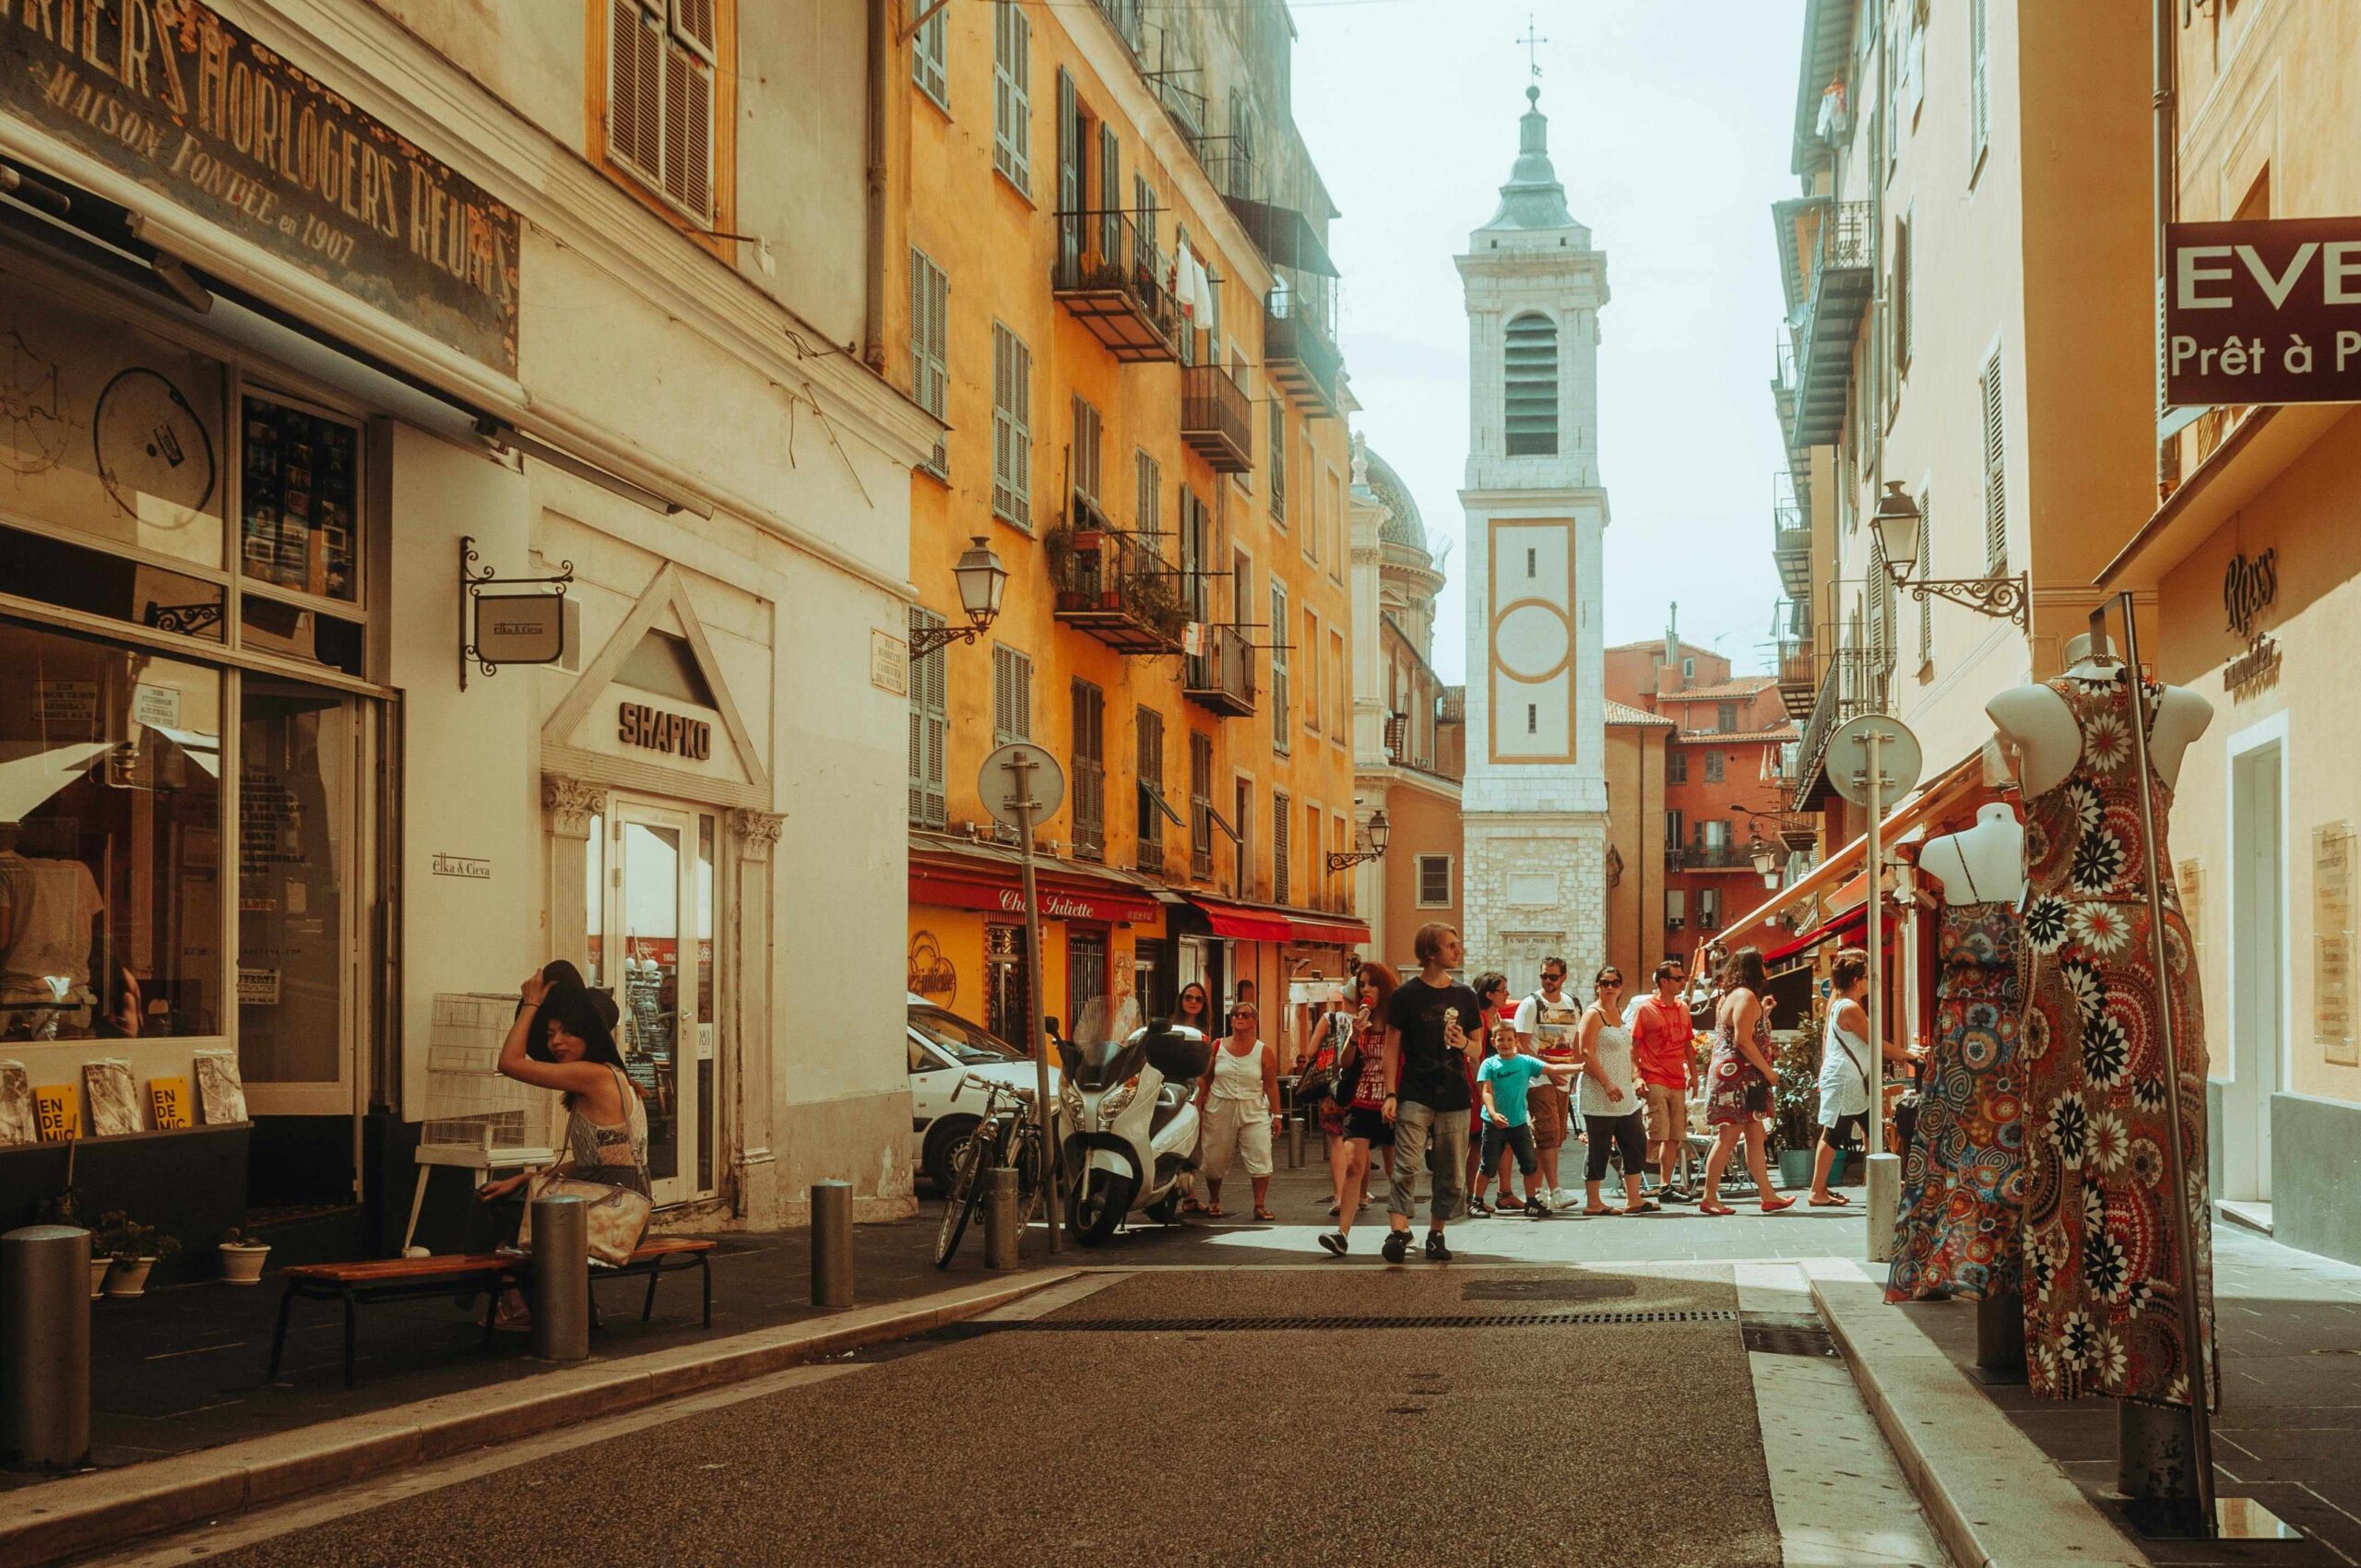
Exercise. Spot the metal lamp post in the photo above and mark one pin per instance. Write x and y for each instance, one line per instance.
(982, 581)
(1371, 845)
(1898, 520)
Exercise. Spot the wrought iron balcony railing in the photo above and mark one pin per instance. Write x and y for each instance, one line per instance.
(1852, 683)
(1300, 349)
(1221, 679)
(1842, 244)
(1216, 418)
(1118, 285)
(1113, 584)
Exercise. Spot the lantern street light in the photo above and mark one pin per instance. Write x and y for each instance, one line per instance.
(1897, 521)
(982, 579)
(1369, 844)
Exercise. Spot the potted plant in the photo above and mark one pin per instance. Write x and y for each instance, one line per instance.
(133, 1249)
(1795, 1103)
(242, 1257)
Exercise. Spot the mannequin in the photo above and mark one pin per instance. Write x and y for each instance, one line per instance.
(1986, 863)
(2035, 720)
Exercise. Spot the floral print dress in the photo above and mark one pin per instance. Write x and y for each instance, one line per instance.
(1736, 1091)
(2101, 1275)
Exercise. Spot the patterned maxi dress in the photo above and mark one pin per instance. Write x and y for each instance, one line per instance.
(1963, 1177)
(2101, 1271)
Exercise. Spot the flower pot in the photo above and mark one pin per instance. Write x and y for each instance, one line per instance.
(129, 1278)
(243, 1264)
(99, 1264)
(1087, 539)
(1795, 1168)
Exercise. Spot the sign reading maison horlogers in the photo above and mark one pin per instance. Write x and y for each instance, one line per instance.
(172, 95)
(2263, 311)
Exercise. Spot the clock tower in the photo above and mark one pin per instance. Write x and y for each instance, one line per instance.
(1535, 800)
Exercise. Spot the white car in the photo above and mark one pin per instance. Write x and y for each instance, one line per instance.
(943, 1047)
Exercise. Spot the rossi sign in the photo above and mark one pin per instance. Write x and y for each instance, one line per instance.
(2263, 312)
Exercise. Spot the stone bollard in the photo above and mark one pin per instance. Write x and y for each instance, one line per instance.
(45, 1346)
(561, 1279)
(831, 1243)
(1002, 1232)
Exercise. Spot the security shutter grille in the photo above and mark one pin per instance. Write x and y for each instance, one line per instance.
(930, 731)
(931, 57)
(1925, 569)
(1201, 803)
(1979, 80)
(1996, 488)
(1282, 847)
(1085, 450)
(1012, 94)
(1150, 737)
(1278, 634)
(659, 96)
(1434, 880)
(1012, 695)
(1532, 372)
(1277, 458)
(1089, 770)
(930, 348)
(1012, 428)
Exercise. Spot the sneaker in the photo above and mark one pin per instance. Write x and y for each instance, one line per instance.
(1397, 1245)
(1334, 1241)
(1675, 1196)
(1478, 1208)
(1436, 1250)
(1538, 1208)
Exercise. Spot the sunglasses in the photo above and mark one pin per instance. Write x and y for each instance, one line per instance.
(1552, 979)
(1610, 979)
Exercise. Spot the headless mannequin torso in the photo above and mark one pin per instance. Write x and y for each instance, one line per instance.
(1983, 864)
(2036, 721)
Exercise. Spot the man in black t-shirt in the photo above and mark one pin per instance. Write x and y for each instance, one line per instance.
(1429, 1028)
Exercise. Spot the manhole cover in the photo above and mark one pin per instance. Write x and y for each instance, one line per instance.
(1557, 1288)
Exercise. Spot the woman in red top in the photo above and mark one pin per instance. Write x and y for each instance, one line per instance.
(1365, 1123)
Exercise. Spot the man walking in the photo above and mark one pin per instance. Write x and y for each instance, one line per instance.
(1661, 1040)
(1425, 1088)
(1546, 1023)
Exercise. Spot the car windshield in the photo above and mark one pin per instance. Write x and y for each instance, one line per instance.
(968, 1045)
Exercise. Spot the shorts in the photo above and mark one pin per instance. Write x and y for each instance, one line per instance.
(1667, 1113)
(1853, 1123)
(1553, 1114)
(1369, 1127)
(1237, 1129)
(1500, 1140)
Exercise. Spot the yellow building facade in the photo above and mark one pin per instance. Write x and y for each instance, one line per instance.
(1116, 296)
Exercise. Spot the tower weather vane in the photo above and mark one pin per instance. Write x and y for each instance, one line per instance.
(1533, 41)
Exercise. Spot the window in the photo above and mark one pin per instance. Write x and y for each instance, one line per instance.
(1678, 761)
(1708, 909)
(1012, 93)
(1243, 803)
(1532, 386)
(1149, 735)
(1996, 488)
(1980, 84)
(1434, 882)
(1672, 826)
(1340, 684)
(1201, 803)
(930, 731)
(1012, 429)
(931, 59)
(931, 348)
(660, 120)
(1927, 605)
(1715, 766)
(1688, 668)
(1278, 460)
(1532, 565)
(1676, 908)
(1012, 695)
(1316, 867)
(1085, 451)
(1280, 737)
(1315, 693)
(1903, 307)
(1282, 847)
(1725, 717)
(1089, 785)
(1714, 833)
(1147, 499)
(1533, 719)
(1880, 629)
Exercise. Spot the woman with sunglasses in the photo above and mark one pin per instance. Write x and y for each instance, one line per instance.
(1193, 1015)
(1609, 1099)
(1239, 1099)
(1363, 1088)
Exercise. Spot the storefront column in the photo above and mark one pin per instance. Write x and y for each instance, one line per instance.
(759, 1202)
(569, 805)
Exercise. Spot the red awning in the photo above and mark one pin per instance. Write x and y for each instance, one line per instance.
(1845, 924)
(1243, 924)
(964, 888)
(1339, 934)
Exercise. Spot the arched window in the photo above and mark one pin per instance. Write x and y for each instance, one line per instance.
(1532, 387)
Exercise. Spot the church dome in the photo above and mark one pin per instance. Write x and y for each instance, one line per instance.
(1532, 198)
(1403, 526)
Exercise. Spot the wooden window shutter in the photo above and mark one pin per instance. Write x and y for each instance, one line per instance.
(929, 346)
(1086, 430)
(1089, 768)
(931, 57)
(1110, 196)
(1996, 488)
(1012, 429)
(1902, 302)
(930, 731)
(635, 90)
(688, 133)
(693, 25)
(1012, 94)
(1277, 458)
(1282, 847)
(1070, 236)
(1980, 80)
(1012, 695)
(1278, 634)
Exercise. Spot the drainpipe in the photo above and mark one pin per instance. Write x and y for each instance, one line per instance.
(2167, 199)
(880, 54)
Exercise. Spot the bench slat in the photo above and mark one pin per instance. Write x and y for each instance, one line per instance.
(381, 1271)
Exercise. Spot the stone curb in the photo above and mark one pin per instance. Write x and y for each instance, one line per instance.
(86, 1513)
(1994, 1499)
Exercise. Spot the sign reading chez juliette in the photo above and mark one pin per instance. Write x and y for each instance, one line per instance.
(2263, 311)
(172, 95)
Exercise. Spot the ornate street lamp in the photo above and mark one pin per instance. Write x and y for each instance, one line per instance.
(1766, 862)
(1370, 844)
(1897, 519)
(982, 579)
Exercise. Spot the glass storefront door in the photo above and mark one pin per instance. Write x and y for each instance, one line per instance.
(658, 914)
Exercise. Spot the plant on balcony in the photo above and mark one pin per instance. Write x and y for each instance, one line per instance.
(1155, 599)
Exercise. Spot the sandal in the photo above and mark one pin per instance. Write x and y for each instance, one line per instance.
(1710, 1208)
(1773, 1205)
(1264, 1214)
(1642, 1206)
(1192, 1207)
(1215, 1212)
(1833, 1200)
(1595, 1213)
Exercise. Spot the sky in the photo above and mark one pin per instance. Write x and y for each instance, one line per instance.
(1670, 124)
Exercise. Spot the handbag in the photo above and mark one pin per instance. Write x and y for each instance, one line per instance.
(615, 1217)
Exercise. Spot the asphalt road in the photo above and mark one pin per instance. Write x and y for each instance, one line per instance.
(1255, 1414)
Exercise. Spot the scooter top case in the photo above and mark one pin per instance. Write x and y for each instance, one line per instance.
(1178, 1051)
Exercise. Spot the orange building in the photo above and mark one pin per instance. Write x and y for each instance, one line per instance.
(1119, 305)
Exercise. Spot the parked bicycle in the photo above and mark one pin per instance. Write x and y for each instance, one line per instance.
(1009, 1136)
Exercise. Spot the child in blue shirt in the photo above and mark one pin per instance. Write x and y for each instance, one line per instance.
(1506, 1077)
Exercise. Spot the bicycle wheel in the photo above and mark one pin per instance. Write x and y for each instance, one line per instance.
(967, 1192)
(1026, 1153)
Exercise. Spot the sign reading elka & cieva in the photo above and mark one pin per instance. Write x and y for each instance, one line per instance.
(170, 94)
(2263, 311)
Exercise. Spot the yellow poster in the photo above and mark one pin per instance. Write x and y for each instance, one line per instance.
(169, 1099)
(58, 1108)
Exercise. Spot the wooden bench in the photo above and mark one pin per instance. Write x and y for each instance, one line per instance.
(411, 1279)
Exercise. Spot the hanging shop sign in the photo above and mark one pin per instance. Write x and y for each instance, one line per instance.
(930, 974)
(2249, 586)
(2267, 311)
(170, 94)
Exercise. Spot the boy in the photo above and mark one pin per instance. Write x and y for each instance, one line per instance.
(1507, 1077)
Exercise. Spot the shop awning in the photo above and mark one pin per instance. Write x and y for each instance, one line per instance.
(981, 876)
(1242, 924)
(1845, 924)
(1339, 934)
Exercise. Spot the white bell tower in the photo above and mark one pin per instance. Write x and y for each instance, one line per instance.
(1535, 801)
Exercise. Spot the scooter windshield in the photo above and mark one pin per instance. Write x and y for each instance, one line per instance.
(1105, 1045)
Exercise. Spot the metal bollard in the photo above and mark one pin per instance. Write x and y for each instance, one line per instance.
(2153, 1449)
(2001, 1339)
(831, 1243)
(1295, 1143)
(561, 1279)
(1001, 1231)
(45, 1346)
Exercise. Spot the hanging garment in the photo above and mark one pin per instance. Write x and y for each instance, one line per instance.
(2102, 1274)
(1962, 1175)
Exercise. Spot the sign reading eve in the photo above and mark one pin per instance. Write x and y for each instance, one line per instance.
(2266, 311)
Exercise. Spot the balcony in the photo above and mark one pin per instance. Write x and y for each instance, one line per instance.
(1221, 679)
(1216, 418)
(1840, 239)
(1712, 857)
(1301, 353)
(1853, 683)
(1798, 677)
(1114, 585)
(1791, 549)
(1798, 833)
(1117, 286)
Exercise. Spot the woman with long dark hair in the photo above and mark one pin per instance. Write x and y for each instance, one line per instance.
(1196, 1012)
(564, 1040)
(1363, 1091)
(1738, 1082)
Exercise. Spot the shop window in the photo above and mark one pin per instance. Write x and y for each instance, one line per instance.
(295, 823)
(299, 499)
(111, 843)
(662, 129)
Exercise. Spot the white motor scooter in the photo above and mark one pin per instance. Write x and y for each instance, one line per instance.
(1126, 1150)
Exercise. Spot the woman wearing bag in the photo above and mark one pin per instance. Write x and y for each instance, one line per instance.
(1844, 1070)
(1361, 1086)
(1320, 1078)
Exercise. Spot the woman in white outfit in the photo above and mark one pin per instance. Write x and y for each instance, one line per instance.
(1240, 1101)
(1844, 1070)
(1608, 1100)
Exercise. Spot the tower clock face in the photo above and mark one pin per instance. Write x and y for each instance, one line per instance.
(155, 455)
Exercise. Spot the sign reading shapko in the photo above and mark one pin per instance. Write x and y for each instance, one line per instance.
(170, 94)
(2267, 311)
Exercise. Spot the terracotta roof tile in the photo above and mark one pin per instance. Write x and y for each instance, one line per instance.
(1622, 713)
